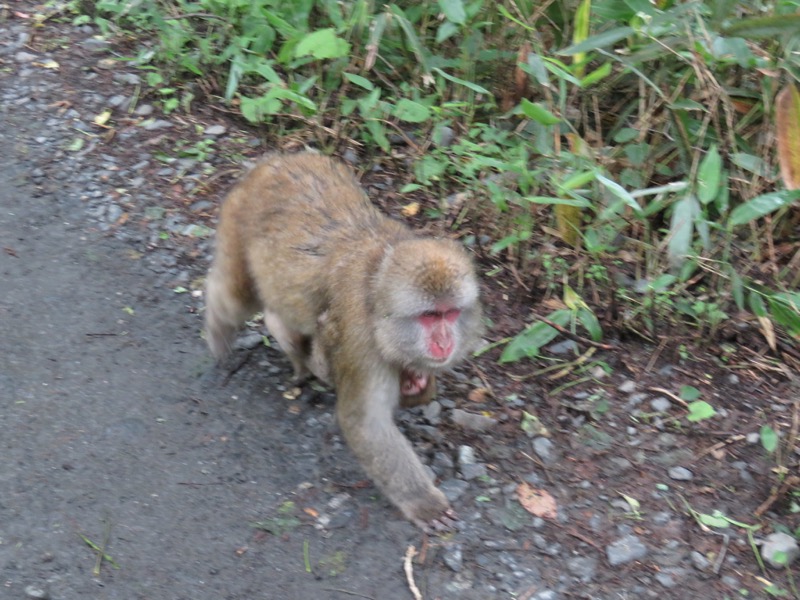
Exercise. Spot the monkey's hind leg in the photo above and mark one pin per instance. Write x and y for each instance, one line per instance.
(229, 302)
(296, 345)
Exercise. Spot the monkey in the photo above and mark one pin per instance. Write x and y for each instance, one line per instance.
(370, 305)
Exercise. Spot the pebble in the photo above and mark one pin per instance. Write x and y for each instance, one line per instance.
(625, 549)
(470, 472)
(660, 404)
(680, 474)
(466, 455)
(471, 421)
(779, 550)
(432, 412)
(627, 387)
(543, 448)
(453, 489)
(453, 557)
(34, 591)
(563, 347)
(24, 57)
(215, 130)
(582, 567)
(699, 561)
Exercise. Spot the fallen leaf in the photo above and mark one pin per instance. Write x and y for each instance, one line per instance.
(787, 120)
(478, 394)
(409, 210)
(537, 502)
(48, 64)
(102, 118)
(311, 512)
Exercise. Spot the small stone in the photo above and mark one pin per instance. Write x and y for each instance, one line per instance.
(472, 421)
(454, 557)
(660, 404)
(432, 412)
(116, 101)
(453, 489)
(25, 57)
(753, 437)
(780, 550)
(626, 549)
(627, 387)
(563, 347)
(680, 474)
(582, 567)
(113, 213)
(443, 136)
(145, 110)
(470, 472)
(699, 561)
(215, 130)
(34, 591)
(466, 455)
(543, 448)
(665, 579)
(248, 341)
(157, 124)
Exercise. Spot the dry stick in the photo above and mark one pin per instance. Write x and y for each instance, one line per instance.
(574, 336)
(409, 569)
(349, 593)
(677, 399)
(718, 445)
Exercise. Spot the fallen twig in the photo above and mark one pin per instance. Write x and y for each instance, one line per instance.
(409, 569)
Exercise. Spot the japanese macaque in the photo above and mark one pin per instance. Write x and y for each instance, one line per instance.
(353, 296)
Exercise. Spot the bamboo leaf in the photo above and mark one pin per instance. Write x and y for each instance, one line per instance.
(681, 229)
(787, 118)
(601, 40)
(761, 205)
(764, 27)
(538, 113)
(709, 175)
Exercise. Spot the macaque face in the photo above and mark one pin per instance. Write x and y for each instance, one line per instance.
(439, 332)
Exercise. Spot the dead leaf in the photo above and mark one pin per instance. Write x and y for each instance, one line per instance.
(410, 210)
(769, 332)
(478, 394)
(311, 512)
(240, 551)
(102, 118)
(537, 502)
(787, 121)
(48, 64)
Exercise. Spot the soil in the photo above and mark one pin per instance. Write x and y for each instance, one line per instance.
(134, 468)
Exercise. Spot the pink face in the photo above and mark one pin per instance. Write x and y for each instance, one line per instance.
(438, 326)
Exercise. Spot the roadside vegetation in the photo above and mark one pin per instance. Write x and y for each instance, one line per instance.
(632, 164)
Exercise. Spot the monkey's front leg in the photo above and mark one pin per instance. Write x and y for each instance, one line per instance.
(365, 414)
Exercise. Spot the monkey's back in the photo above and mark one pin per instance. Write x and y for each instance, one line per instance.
(295, 222)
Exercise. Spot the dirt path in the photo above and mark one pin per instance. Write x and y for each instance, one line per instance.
(115, 426)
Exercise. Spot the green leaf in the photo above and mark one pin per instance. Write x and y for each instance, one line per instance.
(681, 229)
(529, 342)
(689, 393)
(410, 111)
(769, 439)
(602, 40)
(321, 44)
(588, 319)
(538, 113)
(700, 410)
(621, 193)
(579, 202)
(761, 205)
(716, 520)
(453, 11)
(467, 84)
(757, 306)
(709, 175)
(359, 81)
(785, 312)
(764, 27)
